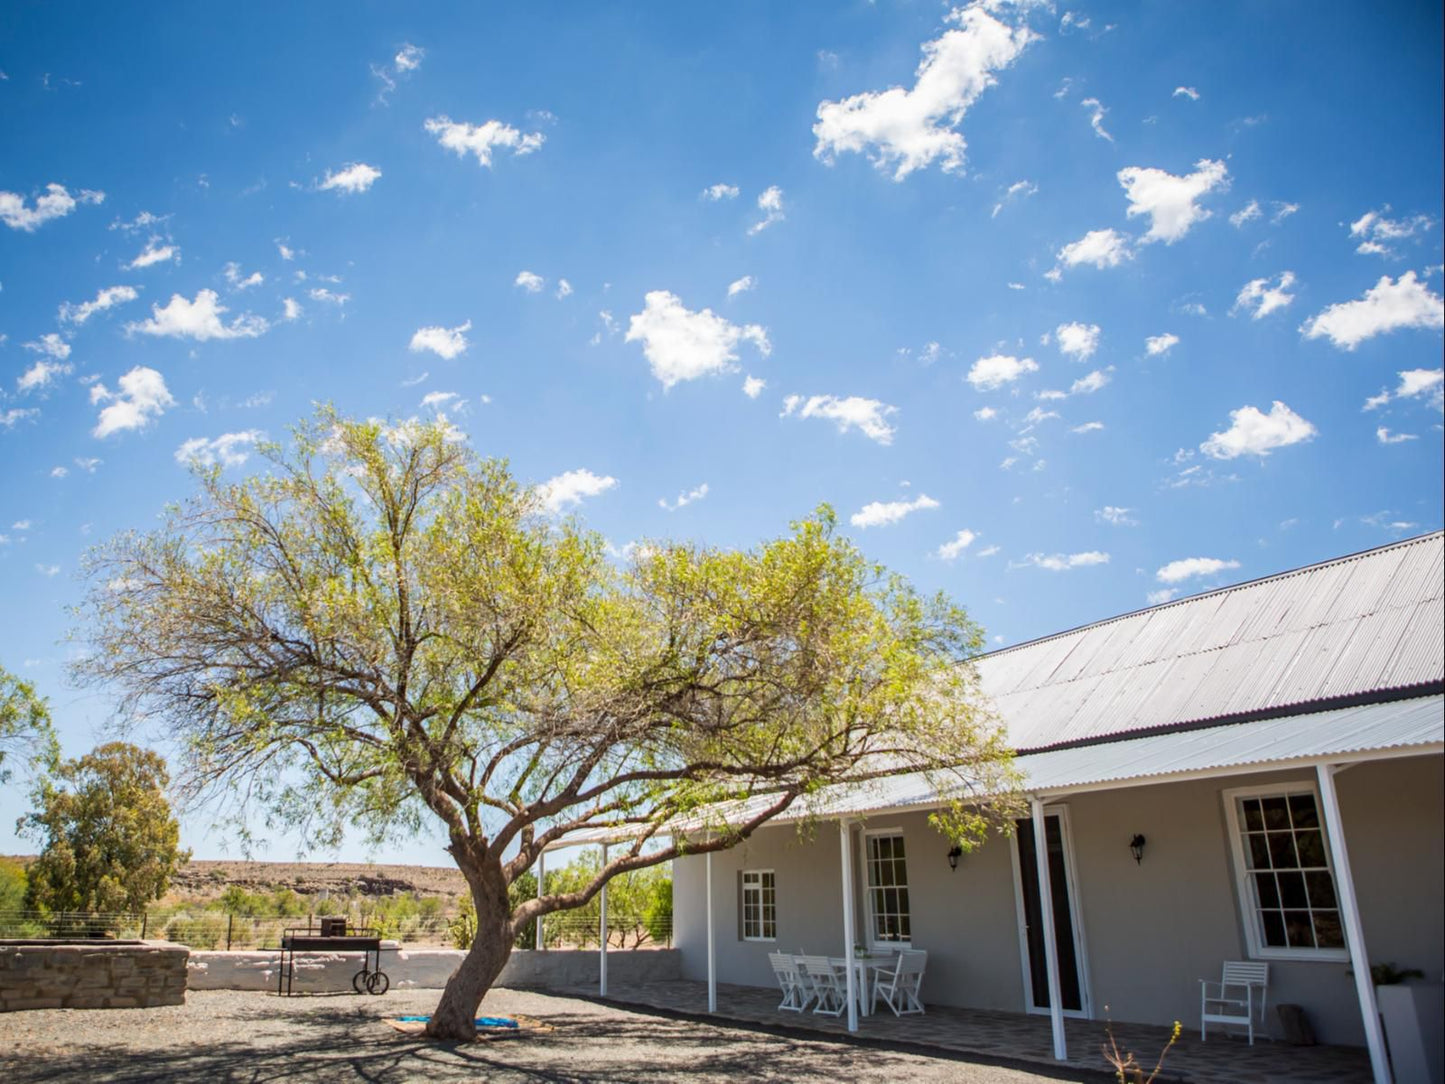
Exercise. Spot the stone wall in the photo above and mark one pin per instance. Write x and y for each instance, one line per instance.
(91, 974)
(427, 969)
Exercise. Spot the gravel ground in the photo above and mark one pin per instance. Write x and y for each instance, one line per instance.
(228, 1035)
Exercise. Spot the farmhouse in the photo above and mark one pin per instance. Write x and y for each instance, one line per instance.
(1251, 774)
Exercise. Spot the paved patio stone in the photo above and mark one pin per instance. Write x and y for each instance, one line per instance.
(1020, 1037)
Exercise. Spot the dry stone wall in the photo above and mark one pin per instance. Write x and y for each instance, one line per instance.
(91, 975)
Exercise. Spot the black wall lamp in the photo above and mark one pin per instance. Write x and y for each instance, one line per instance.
(954, 854)
(1136, 848)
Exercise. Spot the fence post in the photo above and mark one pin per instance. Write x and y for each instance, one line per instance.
(144, 918)
(229, 920)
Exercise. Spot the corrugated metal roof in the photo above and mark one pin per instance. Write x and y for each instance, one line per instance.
(1409, 725)
(1364, 623)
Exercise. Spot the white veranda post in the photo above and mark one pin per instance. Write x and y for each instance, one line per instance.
(711, 945)
(602, 935)
(1350, 916)
(1046, 916)
(847, 857)
(541, 877)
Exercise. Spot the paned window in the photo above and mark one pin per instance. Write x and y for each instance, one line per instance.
(888, 890)
(760, 905)
(1289, 887)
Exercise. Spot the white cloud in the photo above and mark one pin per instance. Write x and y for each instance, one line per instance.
(572, 488)
(1037, 415)
(1384, 436)
(1088, 427)
(87, 463)
(1248, 213)
(1169, 201)
(1189, 567)
(1161, 596)
(107, 298)
(143, 221)
(1078, 340)
(482, 139)
(321, 293)
(742, 285)
(1376, 232)
(142, 398)
(1101, 248)
(868, 416)
(985, 414)
(1061, 562)
(753, 386)
(953, 549)
(238, 280)
(904, 130)
(1115, 516)
(884, 513)
(771, 204)
(529, 281)
(57, 202)
(229, 449)
(1087, 385)
(1161, 344)
(1259, 298)
(990, 373)
(1418, 382)
(51, 345)
(1386, 306)
(10, 418)
(446, 342)
(683, 345)
(441, 400)
(715, 192)
(564, 289)
(1252, 432)
(290, 308)
(59, 472)
(988, 551)
(154, 253)
(409, 58)
(1096, 117)
(351, 178)
(683, 499)
(40, 375)
(1186, 92)
(1017, 190)
(47, 570)
(199, 319)
(1282, 211)
(285, 251)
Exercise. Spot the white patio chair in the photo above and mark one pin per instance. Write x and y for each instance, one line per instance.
(1241, 988)
(826, 983)
(899, 987)
(796, 991)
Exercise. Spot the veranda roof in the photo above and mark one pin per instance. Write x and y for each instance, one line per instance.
(1414, 726)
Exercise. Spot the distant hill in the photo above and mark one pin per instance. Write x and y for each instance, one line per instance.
(205, 880)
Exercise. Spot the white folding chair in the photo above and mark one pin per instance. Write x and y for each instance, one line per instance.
(899, 987)
(1242, 986)
(796, 993)
(826, 984)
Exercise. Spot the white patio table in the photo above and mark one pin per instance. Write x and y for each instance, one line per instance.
(863, 964)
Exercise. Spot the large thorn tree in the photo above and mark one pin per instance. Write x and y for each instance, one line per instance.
(384, 627)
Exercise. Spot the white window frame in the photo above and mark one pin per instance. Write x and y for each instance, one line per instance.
(759, 889)
(1244, 884)
(875, 945)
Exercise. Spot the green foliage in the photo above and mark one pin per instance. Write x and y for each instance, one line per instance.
(408, 630)
(110, 841)
(1387, 974)
(12, 885)
(24, 723)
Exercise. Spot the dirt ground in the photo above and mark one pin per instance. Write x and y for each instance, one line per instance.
(225, 1035)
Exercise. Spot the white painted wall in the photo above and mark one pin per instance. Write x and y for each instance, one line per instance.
(1151, 931)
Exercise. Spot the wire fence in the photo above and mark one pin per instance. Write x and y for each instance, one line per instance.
(206, 930)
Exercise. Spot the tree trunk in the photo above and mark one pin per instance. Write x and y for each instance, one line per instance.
(455, 1016)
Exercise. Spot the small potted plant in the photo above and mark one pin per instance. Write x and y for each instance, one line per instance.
(1411, 1015)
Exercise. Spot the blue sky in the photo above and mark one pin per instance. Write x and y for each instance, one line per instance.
(1064, 308)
